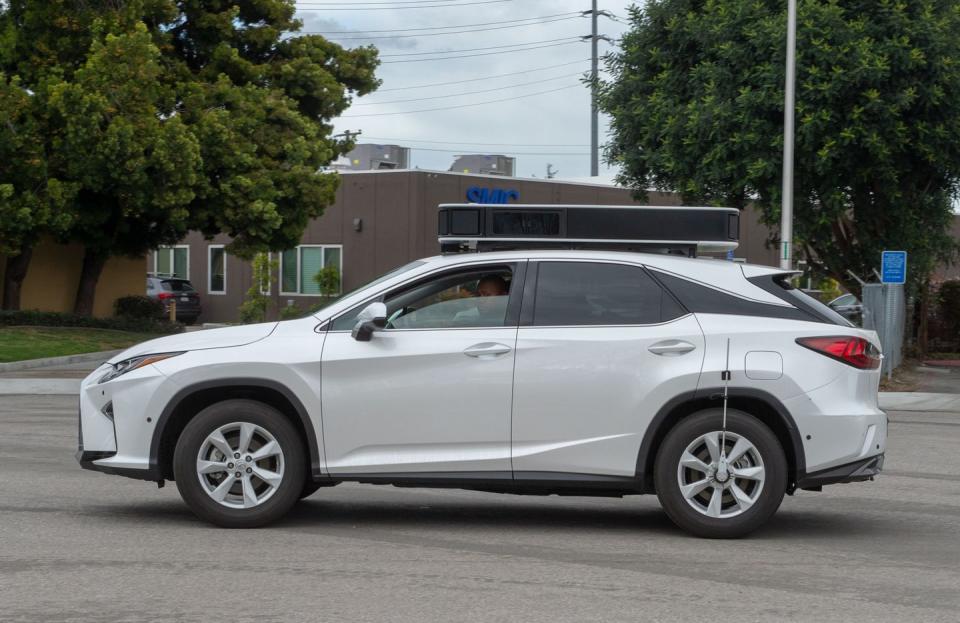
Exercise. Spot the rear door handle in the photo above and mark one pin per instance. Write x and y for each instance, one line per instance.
(671, 348)
(487, 350)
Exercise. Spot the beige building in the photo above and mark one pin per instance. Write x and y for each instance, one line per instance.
(54, 272)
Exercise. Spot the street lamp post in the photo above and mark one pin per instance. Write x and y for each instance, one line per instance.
(786, 216)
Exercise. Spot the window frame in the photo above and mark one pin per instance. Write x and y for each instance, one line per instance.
(210, 290)
(530, 295)
(297, 248)
(519, 268)
(156, 258)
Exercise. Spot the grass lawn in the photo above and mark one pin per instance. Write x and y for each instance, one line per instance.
(17, 343)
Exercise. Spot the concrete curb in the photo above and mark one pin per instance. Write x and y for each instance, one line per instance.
(49, 362)
(919, 401)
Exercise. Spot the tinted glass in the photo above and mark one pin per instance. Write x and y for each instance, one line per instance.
(526, 223)
(701, 299)
(581, 293)
(176, 286)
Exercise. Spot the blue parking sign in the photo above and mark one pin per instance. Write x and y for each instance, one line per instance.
(893, 267)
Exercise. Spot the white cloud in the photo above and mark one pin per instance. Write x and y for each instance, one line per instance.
(561, 117)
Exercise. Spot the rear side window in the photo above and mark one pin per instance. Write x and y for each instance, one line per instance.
(701, 299)
(175, 285)
(779, 286)
(584, 293)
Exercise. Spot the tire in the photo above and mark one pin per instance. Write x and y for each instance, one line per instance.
(276, 452)
(724, 508)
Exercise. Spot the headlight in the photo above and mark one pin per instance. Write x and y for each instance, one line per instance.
(122, 367)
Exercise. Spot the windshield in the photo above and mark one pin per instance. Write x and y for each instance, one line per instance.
(388, 275)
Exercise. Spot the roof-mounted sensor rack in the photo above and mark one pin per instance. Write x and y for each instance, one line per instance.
(675, 230)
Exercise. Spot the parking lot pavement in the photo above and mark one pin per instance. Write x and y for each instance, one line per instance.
(81, 546)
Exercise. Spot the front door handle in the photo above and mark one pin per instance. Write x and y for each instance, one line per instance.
(671, 348)
(487, 350)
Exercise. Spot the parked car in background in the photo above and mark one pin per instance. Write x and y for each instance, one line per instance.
(170, 290)
(848, 306)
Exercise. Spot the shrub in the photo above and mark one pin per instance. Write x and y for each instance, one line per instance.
(255, 302)
(328, 278)
(949, 299)
(138, 306)
(290, 312)
(35, 318)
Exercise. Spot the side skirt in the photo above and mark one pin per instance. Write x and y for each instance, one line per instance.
(517, 483)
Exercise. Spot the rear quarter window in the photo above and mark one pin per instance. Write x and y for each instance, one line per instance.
(705, 300)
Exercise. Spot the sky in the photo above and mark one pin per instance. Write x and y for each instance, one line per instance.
(546, 118)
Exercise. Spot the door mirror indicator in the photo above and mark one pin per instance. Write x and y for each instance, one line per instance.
(373, 317)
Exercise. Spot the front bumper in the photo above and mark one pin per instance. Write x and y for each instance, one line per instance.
(87, 460)
(857, 471)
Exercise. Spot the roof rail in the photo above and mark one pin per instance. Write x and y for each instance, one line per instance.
(465, 227)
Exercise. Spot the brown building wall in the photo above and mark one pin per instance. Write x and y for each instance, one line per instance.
(54, 272)
(397, 210)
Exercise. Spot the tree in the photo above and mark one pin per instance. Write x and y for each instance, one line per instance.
(31, 201)
(189, 115)
(696, 100)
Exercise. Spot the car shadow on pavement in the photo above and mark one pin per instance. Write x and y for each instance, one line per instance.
(521, 517)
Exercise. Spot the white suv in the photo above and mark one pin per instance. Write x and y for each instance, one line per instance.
(532, 372)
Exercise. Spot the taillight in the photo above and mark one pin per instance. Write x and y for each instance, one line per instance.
(166, 295)
(854, 351)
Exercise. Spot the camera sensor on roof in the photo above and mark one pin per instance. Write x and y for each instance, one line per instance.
(487, 227)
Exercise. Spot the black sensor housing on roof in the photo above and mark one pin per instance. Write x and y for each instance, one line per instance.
(499, 227)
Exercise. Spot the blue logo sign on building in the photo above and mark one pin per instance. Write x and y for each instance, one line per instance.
(893, 267)
(475, 194)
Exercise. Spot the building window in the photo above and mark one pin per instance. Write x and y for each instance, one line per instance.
(300, 268)
(216, 269)
(172, 261)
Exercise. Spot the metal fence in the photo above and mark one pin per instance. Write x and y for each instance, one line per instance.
(884, 311)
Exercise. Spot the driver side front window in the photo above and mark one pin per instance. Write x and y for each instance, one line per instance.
(471, 298)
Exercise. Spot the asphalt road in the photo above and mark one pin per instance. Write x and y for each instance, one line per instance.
(81, 546)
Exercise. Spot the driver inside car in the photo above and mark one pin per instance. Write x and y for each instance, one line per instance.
(486, 301)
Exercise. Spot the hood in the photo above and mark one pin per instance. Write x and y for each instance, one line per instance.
(200, 340)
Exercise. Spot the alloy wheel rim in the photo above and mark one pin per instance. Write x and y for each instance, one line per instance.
(240, 465)
(721, 479)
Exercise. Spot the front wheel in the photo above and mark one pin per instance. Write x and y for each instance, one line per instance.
(239, 464)
(718, 484)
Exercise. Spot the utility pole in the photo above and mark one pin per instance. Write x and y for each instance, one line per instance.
(594, 114)
(786, 212)
(348, 135)
(595, 38)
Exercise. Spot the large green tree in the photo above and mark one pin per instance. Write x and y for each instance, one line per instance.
(696, 100)
(166, 116)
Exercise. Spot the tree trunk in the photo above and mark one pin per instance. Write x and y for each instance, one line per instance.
(13, 276)
(89, 276)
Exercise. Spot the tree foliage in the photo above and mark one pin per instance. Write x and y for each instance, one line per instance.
(696, 99)
(143, 119)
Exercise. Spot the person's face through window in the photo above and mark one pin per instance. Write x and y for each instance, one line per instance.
(492, 286)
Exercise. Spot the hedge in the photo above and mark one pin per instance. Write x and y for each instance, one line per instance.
(35, 318)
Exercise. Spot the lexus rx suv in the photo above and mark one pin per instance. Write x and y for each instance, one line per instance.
(715, 385)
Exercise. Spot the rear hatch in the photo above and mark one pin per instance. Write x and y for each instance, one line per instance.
(181, 291)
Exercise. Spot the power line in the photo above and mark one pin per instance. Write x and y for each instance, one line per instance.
(417, 140)
(397, 8)
(492, 47)
(514, 73)
(509, 21)
(444, 58)
(463, 93)
(504, 99)
(438, 34)
(511, 153)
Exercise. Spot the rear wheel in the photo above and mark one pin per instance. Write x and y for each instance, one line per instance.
(720, 484)
(239, 464)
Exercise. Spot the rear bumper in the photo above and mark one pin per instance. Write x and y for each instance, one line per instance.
(857, 471)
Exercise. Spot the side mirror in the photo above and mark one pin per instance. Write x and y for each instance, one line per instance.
(373, 317)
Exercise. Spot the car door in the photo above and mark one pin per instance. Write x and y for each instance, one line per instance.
(601, 347)
(431, 392)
